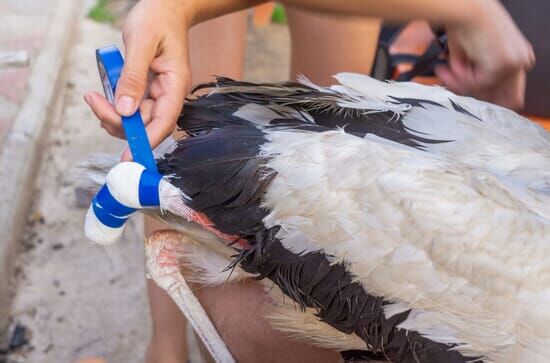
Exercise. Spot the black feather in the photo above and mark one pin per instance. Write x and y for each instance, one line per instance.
(312, 281)
(461, 109)
(222, 169)
(224, 175)
(218, 108)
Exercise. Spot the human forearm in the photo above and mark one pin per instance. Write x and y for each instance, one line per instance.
(434, 11)
(488, 57)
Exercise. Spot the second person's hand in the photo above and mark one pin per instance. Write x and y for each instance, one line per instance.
(489, 57)
(155, 40)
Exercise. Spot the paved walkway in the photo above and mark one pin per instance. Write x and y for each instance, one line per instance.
(75, 298)
(23, 25)
(34, 38)
(78, 299)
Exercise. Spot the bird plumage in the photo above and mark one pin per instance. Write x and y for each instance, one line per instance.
(402, 215)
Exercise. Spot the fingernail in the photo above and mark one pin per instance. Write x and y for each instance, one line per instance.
(125, 106)
(88, 99)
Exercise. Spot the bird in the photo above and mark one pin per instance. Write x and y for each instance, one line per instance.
(394, 218)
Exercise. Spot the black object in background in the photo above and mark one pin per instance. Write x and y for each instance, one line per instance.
(533, 18)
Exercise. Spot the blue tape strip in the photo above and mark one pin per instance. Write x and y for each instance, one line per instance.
(138, 141)
(110, 63)
(106, 208)
(106, 201)
(149, 188)
(107, 219)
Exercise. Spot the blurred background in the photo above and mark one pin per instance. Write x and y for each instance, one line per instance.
(62, 298)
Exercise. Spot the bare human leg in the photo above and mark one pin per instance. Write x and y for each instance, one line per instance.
(322, 45)
(238, 309)
(216, 47)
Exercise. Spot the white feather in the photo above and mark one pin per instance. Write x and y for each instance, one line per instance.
(448, 239)
(166, 146)
(264, 114)
(304, 325)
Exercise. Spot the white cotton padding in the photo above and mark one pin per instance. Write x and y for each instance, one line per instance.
(123, 183)
(99, 233)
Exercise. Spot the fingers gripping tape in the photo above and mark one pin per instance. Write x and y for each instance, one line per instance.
(107, 215)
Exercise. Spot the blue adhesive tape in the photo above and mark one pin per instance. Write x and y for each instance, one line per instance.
(149, 188)
(110, 63)
(107, 202)
(105, 207)
(138, 141)
(108, 219)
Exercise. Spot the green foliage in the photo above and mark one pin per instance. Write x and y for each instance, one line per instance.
(100, 13)
(279, 15)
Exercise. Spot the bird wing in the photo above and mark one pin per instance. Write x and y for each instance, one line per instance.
(225, 174)
(430, 206)
(450, 241)
(481, 134)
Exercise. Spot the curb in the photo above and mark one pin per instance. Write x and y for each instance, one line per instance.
(19, 155)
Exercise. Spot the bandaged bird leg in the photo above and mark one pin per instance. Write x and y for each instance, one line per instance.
(128, 187)
(164, 250)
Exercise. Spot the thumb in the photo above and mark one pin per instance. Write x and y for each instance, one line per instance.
(133, 79)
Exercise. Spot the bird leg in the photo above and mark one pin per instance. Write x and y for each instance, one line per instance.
(164, 250)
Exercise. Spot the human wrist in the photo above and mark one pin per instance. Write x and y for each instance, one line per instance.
(187, 11)
(181, 11)
(199, 11)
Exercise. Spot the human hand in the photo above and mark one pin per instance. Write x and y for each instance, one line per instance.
(155, 39)
(489, 57)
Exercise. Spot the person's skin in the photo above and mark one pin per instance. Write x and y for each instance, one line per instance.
(173, 80)
(323, 45)
(489, 56)
(225, 305)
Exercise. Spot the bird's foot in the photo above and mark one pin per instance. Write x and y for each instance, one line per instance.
(164, 251)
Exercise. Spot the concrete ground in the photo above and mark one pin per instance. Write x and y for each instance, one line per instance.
(42, 34)
(78, 299)
(23, 25)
